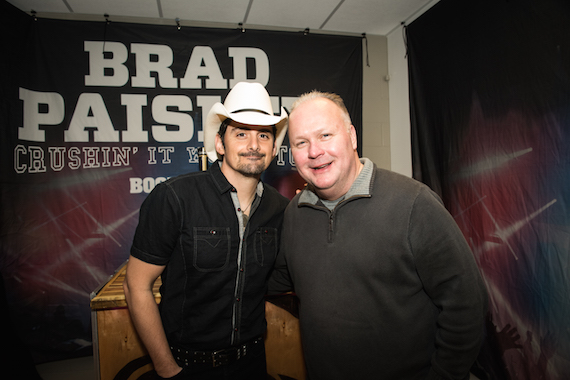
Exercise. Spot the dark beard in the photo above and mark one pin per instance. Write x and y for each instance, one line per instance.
(252, 168)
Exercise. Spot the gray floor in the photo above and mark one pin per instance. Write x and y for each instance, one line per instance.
(72, 369)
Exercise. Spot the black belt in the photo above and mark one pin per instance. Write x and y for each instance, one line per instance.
(213, 358)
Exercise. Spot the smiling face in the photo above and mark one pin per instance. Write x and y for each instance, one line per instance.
(247, 150)
(324, 144)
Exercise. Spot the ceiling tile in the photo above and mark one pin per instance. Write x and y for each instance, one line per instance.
(217, 11)
(374, 17)
(57, 6)
(298, 14)
(377, 17)
(132, 8)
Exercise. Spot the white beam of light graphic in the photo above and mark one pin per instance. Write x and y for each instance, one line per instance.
(488, 164)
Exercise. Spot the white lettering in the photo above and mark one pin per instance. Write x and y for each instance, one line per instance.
(37, 164)
(161, 114)
(90, 112)
(90, 157)
(240, 56)
(144, 66)
(146, 185)
(203, 63)
(107, 66)
(151, 155)
(56, 158)
(134, 104)
(136, 185)
(19, 166)
(192, 154)
(165, 151)
(105, 71)
(32, 159)
(73, 157)
(281, 152)
(34, 116)
(106, 152)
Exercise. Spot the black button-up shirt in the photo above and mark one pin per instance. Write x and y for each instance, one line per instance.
(212, 292)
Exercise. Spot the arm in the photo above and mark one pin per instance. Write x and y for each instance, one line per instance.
(280, 280)
(139, 279)
(451, 279)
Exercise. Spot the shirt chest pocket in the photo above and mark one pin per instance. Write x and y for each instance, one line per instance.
(211, 248)
(265, 246)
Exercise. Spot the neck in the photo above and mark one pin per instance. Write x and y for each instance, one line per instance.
(245, 185)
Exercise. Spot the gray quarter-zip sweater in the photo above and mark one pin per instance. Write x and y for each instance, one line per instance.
(387, 284)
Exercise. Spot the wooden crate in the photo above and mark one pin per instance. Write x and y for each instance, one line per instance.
(119, 353)
(117, 348)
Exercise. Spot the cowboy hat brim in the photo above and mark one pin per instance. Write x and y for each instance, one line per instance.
(218, 113)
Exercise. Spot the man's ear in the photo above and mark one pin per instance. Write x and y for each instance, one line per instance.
(353, 138)
(219, 145)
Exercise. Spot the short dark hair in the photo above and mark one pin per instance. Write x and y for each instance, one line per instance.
(227, 121)
(224, 127)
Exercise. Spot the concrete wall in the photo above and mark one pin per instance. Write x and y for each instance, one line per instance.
(375, 102)
(386, 109)
(385, 105)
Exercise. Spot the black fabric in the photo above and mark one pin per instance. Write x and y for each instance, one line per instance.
(79, 155)
(189, 224)
(490, 113)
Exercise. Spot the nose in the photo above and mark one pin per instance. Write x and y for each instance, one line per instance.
(315, 150)
(253, 144)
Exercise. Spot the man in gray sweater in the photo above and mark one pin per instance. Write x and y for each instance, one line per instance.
(388, 286)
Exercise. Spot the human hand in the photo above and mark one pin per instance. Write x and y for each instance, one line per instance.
(172, 374)
(299, 190)
(508, 337)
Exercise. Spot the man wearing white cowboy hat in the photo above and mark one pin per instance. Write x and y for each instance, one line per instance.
(213, 237)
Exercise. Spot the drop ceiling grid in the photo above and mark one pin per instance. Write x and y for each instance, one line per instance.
(298, 14)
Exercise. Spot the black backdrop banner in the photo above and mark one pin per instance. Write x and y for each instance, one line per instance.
(93, 115)
(490, 97)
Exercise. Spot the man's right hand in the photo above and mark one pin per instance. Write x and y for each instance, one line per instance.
(172, 374)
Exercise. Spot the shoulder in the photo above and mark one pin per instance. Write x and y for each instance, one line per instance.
(182, 179)
(274, 196)
(176, 188)
(390, 188)
(389, 181)
(185, 181)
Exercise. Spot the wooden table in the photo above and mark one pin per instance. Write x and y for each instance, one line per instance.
(120, 355)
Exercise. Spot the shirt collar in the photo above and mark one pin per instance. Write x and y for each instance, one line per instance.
(222, 182)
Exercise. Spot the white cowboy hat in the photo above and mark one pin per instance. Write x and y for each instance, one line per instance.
(247, 103)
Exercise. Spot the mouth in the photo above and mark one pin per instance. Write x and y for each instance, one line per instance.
(321, 167)
(253, 155)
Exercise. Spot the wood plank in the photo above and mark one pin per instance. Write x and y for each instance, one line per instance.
(120, 348)
(283, 344)
(112, 295)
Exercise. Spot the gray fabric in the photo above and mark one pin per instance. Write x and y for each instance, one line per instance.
(387, 284)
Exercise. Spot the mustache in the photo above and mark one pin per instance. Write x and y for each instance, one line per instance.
(252, 154)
